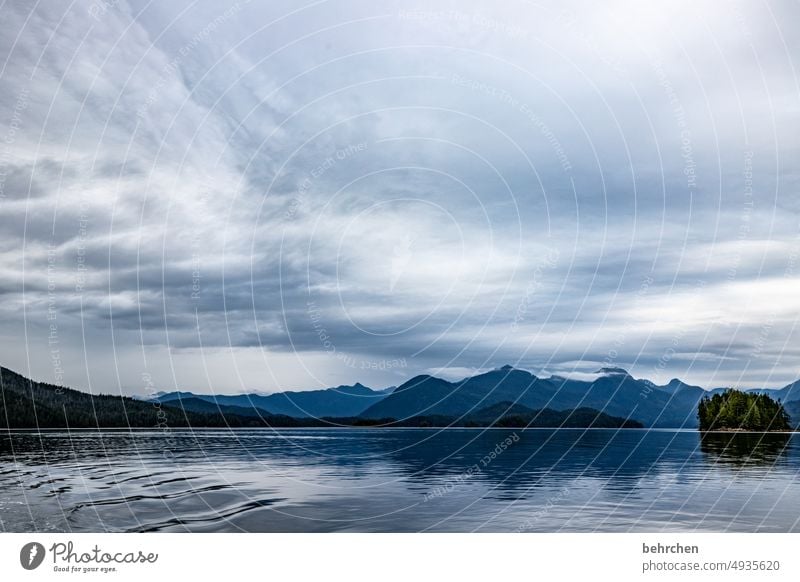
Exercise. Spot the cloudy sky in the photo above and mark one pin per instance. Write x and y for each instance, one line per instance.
(264, 196)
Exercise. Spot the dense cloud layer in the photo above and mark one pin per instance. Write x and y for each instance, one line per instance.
(228, 197)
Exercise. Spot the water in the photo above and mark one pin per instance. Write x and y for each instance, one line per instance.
(397, 480)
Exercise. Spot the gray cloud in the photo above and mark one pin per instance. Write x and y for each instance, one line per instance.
(243, 196)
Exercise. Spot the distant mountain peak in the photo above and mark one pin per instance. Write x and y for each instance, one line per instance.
(612, 371)
(418, 380)
(421, 378)
(509, 368)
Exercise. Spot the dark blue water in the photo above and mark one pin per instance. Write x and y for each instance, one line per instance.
(398, 480)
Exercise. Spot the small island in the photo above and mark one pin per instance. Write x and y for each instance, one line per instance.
(734, 410)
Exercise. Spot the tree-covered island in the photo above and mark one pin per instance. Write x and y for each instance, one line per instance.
(737, 410)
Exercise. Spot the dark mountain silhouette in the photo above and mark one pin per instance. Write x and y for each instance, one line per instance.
(612, 397)
(614, 392)
(427, 395)
(510, 415)
(793, 410)
(342, 401)
(788, 393)
(675, 386)
(192, 403)
(497, 411)
(28, 404)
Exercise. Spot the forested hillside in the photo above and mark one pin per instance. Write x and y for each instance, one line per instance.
(737, 410)
(28, 404)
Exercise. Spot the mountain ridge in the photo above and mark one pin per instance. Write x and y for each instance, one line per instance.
(612, 391)
(339, 401)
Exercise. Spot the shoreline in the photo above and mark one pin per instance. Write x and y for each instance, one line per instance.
(426, 428)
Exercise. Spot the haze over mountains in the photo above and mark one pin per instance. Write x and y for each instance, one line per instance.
(613, 392)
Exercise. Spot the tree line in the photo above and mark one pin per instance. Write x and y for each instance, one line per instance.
(737, 410)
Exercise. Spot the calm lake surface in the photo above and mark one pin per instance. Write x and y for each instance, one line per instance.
(396, 480)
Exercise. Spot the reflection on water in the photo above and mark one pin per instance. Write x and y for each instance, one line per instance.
(746, 449)
(398, 480)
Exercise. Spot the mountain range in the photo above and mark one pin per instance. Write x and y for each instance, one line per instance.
(27, 404)
(613, 391)
(340, 401)
(505, 396)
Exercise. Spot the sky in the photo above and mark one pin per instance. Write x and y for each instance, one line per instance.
(253, 197)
